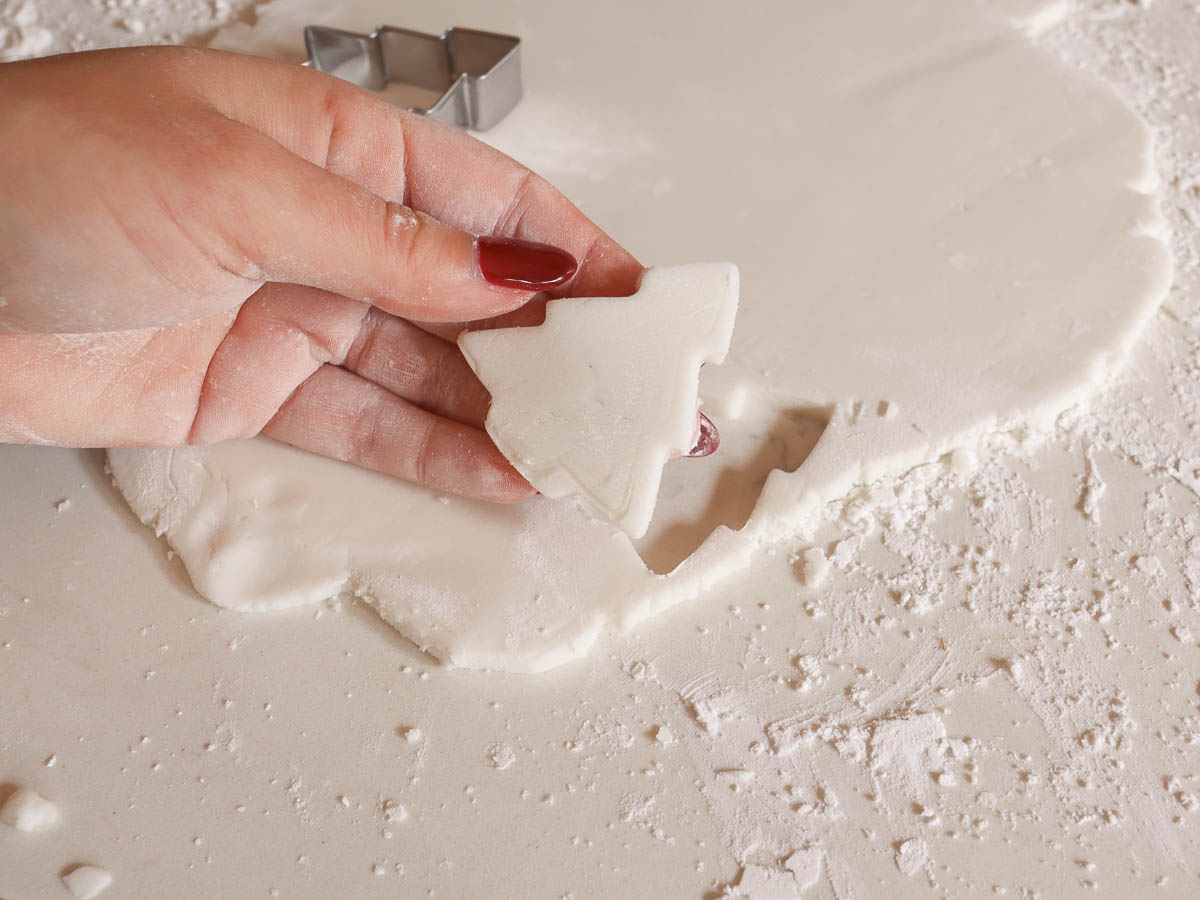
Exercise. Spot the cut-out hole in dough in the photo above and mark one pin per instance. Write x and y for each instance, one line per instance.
(697, 495)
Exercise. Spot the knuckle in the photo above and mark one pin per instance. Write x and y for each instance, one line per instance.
(363, 348)
(364, 438)
(510, 219)
(423, 453)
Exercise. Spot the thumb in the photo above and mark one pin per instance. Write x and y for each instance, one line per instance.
(309, 226)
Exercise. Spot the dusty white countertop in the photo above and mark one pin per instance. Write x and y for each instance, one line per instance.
(998, 694)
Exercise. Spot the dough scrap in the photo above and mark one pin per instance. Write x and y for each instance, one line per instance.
(87, 882)
(27, 810)
(593, 402)
(943, 231)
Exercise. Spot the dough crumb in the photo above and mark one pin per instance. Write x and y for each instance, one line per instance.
(815, 567)
(805, 866)
(28, 811)
(765, 883)
(501, 756)
(640, 670)
(85, 882)
(811, 675)
(963, 460)
(710, 705)
(410, 733)
(911, 855)
(1092, 490)
(393, 811)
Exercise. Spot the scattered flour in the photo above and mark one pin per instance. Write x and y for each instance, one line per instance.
(904, 751)
(21, 32)
(30, 28)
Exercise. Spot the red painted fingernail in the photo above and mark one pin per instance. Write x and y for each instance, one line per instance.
(709, 440)
(524, 265)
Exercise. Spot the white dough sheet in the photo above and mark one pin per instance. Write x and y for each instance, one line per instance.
(942, 232)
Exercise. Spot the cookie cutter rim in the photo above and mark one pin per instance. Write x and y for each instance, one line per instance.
(477, 72)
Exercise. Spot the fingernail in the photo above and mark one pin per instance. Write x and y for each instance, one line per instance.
(708, 441)
(525, 265)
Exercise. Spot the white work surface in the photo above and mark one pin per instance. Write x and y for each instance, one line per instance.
(1002, 695)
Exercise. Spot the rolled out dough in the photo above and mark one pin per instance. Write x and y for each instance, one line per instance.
(941, 231)
(592, 403)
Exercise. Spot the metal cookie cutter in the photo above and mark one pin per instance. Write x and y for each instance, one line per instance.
(477, 74)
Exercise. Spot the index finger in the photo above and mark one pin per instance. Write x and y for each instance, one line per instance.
(410, 159)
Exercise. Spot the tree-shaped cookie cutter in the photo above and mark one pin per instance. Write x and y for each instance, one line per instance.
(477, 72)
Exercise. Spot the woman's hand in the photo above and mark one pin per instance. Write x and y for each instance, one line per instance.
(196, 246)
